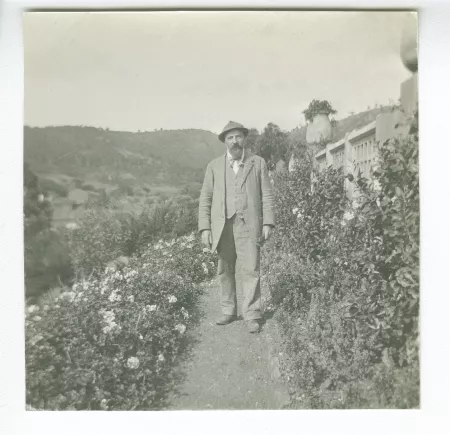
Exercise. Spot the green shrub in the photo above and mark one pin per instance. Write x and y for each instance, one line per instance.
(344, 283)
(186, 255)
(47, 261)
(103, 234)
(100, 237)
(111, 342)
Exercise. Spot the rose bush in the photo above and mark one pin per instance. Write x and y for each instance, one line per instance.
(111, 341)
(185, 254)
(104, 234)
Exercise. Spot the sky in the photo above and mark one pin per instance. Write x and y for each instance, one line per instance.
(143, 71)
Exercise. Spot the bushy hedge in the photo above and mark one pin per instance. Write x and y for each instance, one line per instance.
(104, 234)
(345, 283)
(47, 262)
(111, 342)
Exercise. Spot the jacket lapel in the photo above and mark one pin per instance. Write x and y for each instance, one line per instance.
(248, 164)
(221, 177)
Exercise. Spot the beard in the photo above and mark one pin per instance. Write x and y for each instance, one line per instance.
(236, 151)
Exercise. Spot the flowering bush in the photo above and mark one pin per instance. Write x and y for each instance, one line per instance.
(344, 283)
(111, 341)
(99, 238)
(185, 254)
(103, 234)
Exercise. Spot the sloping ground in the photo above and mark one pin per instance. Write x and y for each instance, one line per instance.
(229, 368)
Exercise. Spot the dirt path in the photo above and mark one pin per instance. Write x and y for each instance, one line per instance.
(228, 368)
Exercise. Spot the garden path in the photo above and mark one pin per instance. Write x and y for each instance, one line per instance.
(228, 367)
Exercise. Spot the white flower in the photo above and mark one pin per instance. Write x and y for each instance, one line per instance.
(114, 296)
(32, 308)
(348, 215)
(37, 318)
(36, 339)
(104, 404)
(79, 294)
(205, 268)
(161, 357)
(172, 299)
(141, 337)
(295, 210)
(110, 327)
(68, 296)
(133, 362)
(189, 246)
(185, 313)
(130, 298)
(180, 328)
(108, 316)
(206, 250)
(150, 307)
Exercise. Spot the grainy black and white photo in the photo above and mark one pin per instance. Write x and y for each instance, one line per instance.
(221, 210)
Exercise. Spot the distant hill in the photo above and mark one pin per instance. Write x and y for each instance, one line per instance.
(169, 157)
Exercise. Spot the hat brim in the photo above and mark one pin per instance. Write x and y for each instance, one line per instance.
(224, 133)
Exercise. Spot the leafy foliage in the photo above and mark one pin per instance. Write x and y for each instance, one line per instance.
(104, 234)
(344, 282)
(316, 107)
(46, 256)
(111, 342)
(272, 145)
(37, 211)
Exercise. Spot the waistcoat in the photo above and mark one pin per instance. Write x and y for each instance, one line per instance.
(233, 192)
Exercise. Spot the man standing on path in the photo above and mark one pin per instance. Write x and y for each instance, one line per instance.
(236, 217)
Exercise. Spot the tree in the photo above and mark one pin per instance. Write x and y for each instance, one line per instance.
(37, 211)
(252, 137)
(272, 145)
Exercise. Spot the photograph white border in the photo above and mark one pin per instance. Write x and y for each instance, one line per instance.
(434, 95)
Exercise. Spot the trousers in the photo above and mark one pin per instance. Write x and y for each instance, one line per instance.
(236, 247)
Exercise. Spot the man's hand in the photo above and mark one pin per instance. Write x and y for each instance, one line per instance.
(206, 238)
(267, 232)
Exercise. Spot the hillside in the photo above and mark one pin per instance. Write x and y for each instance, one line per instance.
(78, 150)
(76, 155)
(79, 164)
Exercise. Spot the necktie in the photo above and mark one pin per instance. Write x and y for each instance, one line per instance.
(235, 165)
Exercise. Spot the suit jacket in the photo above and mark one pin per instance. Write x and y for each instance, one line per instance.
(258, 206)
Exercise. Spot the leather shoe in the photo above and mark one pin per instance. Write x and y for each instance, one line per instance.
(253, 326)
(226, 319)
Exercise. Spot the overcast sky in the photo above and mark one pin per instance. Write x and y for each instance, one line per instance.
(172, 70)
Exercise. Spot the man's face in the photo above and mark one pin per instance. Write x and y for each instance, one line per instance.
(235, 142)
